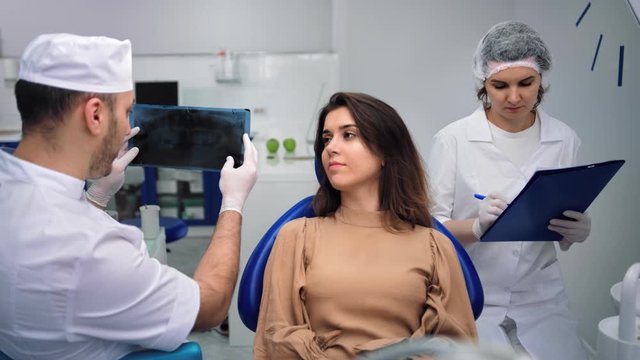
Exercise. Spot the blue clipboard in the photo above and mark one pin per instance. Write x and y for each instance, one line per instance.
(547, 194)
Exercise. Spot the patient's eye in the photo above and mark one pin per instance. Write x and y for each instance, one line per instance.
(349, 135)
(326, 139)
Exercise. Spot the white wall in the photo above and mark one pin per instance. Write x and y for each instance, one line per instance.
(174, 26)
(284, 91)
(607, 119)
(417, 56)
(158, 27)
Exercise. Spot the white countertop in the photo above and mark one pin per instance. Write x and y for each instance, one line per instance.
(283, 168)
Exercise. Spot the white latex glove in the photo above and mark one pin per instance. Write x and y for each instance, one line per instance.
(490, 208)
(235, 184)
(101, 191)
(572, 231)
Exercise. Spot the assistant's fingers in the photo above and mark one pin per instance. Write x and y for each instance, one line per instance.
(497, 195)
(564, 231)
(569, 224)
(578, 216)
(565, 244)
(499, 203)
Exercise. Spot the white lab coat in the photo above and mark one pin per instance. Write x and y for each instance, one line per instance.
(75, 283)
(521, 280)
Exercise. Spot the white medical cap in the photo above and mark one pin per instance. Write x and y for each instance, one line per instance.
(509, 44)
(94, 64)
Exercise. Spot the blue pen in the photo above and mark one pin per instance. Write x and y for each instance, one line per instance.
(481, 197)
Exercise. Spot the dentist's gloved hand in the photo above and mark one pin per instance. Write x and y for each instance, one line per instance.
(490, 208)
(235, 184)
(572, 231)
(101, 191)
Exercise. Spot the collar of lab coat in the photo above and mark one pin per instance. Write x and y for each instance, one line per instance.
(478, 127)
(24, 171)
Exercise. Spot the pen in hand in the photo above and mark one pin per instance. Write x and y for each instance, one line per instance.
(481, 197)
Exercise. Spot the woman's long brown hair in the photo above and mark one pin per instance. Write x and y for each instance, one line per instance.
(403, 190)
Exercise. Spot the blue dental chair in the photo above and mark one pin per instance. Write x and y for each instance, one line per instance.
(250, 288)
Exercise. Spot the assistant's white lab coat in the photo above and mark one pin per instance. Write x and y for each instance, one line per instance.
(521, 280)
(76, 284)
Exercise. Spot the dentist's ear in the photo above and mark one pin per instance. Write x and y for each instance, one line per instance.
(92, 118)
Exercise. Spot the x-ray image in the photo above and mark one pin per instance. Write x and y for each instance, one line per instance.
(188, 137)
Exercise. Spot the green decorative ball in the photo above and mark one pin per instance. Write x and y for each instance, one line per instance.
(289, 144)
(272, 145)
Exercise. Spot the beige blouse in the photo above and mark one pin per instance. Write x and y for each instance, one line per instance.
(337, 286)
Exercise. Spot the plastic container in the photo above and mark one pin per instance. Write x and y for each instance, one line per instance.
(150, 221)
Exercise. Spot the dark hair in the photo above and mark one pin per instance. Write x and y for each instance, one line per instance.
(403, 190)
(482, 96)
(44, 107)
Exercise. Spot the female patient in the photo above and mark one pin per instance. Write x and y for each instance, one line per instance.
(368, 271)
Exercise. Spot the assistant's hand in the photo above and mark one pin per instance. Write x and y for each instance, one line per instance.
(572, 231)
(101, 191)
(490, 208)
(235, 184)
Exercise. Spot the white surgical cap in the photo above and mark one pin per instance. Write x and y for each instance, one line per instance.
(510, 44)
(83, 63)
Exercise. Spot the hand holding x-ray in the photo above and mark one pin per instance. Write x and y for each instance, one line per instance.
(235, 184)
(101, 191)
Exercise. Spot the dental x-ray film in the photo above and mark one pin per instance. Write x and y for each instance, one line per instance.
(188, 137)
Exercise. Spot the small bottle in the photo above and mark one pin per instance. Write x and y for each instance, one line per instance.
(227, 71)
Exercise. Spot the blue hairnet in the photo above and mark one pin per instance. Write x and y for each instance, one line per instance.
(510, 41)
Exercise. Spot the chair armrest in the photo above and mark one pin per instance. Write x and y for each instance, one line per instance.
(187, 351)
